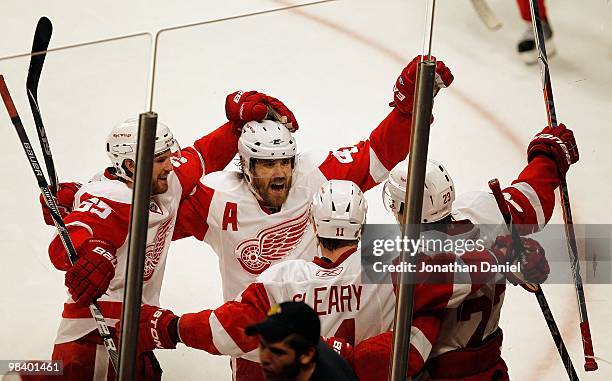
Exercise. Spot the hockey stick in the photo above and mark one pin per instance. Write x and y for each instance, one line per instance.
(57, 219)
(585, 330)
(42, 36)
(488, 17)
(536, 288)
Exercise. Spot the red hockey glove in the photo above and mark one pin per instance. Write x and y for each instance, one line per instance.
(247, 106)
(534, 267)
(403, 91)
(158, 328)
(340, 346)
(64, 199)
(90, 275)
(558, 144)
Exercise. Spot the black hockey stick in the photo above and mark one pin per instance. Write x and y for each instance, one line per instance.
(57, 219)
(535, 288)
(587, 344)
(42, 36)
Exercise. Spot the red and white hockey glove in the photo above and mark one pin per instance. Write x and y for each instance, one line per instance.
(63, 198)
(534, 267)
(403, 91)
(90, 275)
(341, 347)
(247, 106)
(558, 144)
(158, 329)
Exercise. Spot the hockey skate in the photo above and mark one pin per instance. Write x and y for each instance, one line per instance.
(527, 47)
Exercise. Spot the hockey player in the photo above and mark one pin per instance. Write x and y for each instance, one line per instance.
(329, 283)
(98, 227)
(469, 341)
(349, 310)
(259, 216)
(526, 46)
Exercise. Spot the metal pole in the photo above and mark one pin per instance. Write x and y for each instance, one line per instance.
(139, 223)
(417, 162)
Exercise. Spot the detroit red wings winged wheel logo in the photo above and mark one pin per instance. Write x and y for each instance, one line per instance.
(273, 243)
(154, 250)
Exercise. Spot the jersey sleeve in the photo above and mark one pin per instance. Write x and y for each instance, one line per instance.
(372, 356)
(210, 153)
(435, 291)
(222, 331)
(368, 162)
(192, 216)
(96, 217)
(531, 197)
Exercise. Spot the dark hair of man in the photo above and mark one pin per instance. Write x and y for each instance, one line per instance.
(300, 345)
(333, 244)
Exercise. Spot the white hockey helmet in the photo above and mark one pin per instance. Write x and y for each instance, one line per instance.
(123, 139)
(338, 210)
(438, 196)
(264, 139)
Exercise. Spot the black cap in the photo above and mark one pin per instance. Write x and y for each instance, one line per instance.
(288, 318)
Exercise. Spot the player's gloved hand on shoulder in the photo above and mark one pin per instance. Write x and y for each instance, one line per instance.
(247, 106)
(63, 198)
(534, 267)
(558, 144)
(158, 329)
(90, 276)
(341, 347)
(403, 91)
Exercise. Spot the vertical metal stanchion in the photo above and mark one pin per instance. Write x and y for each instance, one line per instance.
(413, 205)
(139, 222)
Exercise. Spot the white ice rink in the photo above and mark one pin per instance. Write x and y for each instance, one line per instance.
(335, 66)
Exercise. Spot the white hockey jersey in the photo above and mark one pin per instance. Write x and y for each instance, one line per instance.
(347, 308)
(102, 210)
(224, 213)
(531, 201)
(464, 310)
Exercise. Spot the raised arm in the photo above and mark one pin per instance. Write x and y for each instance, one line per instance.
(368, 162)
(214, 151)
(531, 197)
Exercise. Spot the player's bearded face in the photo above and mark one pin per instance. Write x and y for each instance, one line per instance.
(272, 180)
(161, 169)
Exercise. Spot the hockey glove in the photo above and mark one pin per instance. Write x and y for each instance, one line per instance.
(403, 91)
(247, 106)
(534, 266)
(63, 198)
(158, 329)
(90, 276)
(558, 144)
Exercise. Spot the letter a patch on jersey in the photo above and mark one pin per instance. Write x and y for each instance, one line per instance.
(230, 216)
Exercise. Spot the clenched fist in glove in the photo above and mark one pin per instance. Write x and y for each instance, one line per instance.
(557, 143)
(534, 265)
(63, 198)
(90, 276)
(247, 106)
(403, 91)
(158, 329)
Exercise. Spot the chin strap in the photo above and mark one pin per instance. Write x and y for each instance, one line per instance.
(249, 182)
